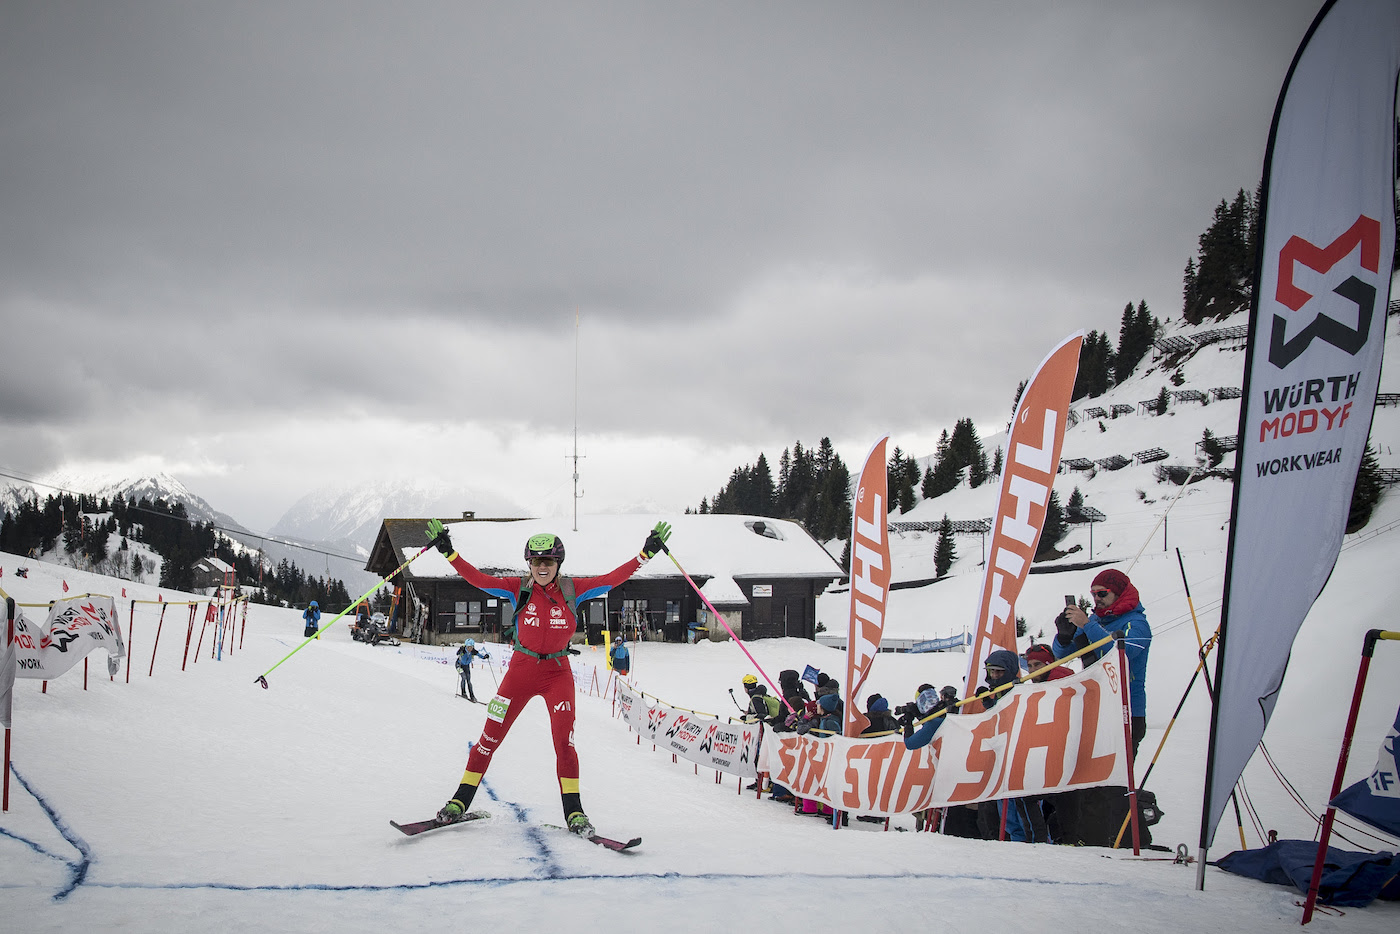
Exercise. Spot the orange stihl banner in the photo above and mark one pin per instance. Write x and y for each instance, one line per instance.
(1039, 738)
(1032, 460)
(870, 580)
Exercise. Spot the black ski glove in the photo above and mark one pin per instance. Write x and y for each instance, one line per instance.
(439, 537)
(656, 541)
(1065, 628)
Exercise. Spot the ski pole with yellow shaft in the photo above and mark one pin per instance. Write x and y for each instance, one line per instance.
(262, 678)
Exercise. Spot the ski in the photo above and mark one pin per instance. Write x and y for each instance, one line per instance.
(423, 826)
(607, 843)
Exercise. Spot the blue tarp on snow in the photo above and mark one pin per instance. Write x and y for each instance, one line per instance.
(1348, 879)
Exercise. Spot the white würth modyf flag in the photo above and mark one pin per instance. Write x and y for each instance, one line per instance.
(1316, 335)
(75, 626)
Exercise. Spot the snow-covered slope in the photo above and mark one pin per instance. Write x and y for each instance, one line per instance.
(190, 801)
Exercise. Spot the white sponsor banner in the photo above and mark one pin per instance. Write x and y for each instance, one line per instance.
(75, 626)
(1040, 738)
(728, 747)
(1316, 337)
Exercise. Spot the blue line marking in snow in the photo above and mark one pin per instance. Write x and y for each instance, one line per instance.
(496, 881)
(31, 844)
(77, 869)
(544, 855)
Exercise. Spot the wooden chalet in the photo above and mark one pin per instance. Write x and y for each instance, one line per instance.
(763, 575)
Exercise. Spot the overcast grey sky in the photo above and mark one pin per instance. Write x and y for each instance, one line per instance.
(270, 246)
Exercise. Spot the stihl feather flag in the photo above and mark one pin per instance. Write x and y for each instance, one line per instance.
(870, 580)
(1032, 460)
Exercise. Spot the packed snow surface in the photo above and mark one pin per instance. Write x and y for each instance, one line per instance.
(195, 801)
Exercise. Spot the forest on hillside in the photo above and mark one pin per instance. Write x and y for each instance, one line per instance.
(83, 528)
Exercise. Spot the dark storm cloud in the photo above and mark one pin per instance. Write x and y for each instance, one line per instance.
(227, 212)
(632, 159)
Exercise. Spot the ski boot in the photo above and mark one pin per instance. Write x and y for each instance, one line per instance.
(450, 813)
(580, 824)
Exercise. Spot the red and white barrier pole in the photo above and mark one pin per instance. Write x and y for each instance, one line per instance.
(1368, 647)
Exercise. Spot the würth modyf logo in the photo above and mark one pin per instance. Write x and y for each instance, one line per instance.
(1365, 233)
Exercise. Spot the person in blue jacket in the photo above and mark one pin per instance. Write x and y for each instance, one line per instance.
(312, 618)
(620, 658)
(465, 654)
(1117, 608)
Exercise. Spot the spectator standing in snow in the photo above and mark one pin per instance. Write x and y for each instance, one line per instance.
(311, 617)
(620, 658)
(1117, 609)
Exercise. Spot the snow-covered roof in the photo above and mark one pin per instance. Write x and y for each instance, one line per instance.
(712, 546)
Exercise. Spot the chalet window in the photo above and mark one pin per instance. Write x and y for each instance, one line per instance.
(468, 615)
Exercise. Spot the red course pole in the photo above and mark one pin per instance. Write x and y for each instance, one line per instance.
(1368, 647)
(155, 645)
(189, 634)
(130, 631)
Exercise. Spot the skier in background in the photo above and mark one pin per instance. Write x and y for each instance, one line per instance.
(544, 622)
(465, 655)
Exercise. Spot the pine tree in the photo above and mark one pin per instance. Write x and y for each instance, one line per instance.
(1163, 400)
(1212, 449)
(1136, 332)
(1075, 509)
(945, 552)
(1221, 280)
(899, 484)
(977, 471)
(1367, 491)
(946, 472)
(1054, 528)
(1095, 374)
(997, 463)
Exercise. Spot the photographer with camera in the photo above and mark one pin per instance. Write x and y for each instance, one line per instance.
(1117, 611)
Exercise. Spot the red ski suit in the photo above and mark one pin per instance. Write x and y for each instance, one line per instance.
(544, 627)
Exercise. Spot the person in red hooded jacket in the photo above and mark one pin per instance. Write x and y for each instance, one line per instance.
(545, 623)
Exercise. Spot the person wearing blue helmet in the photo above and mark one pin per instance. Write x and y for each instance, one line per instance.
(465, 654)
(312, 618)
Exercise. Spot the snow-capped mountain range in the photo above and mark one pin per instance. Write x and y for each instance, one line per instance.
(157, 486)
(353, 514)
(329, 531)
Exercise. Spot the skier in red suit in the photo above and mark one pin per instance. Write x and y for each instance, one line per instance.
(543, 627)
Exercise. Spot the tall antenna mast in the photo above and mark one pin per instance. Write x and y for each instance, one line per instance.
(577, 494)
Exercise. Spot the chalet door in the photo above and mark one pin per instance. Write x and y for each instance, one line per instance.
(762, 618)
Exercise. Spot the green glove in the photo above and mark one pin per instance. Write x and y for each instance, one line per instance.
(437, 536)
(656, 541)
